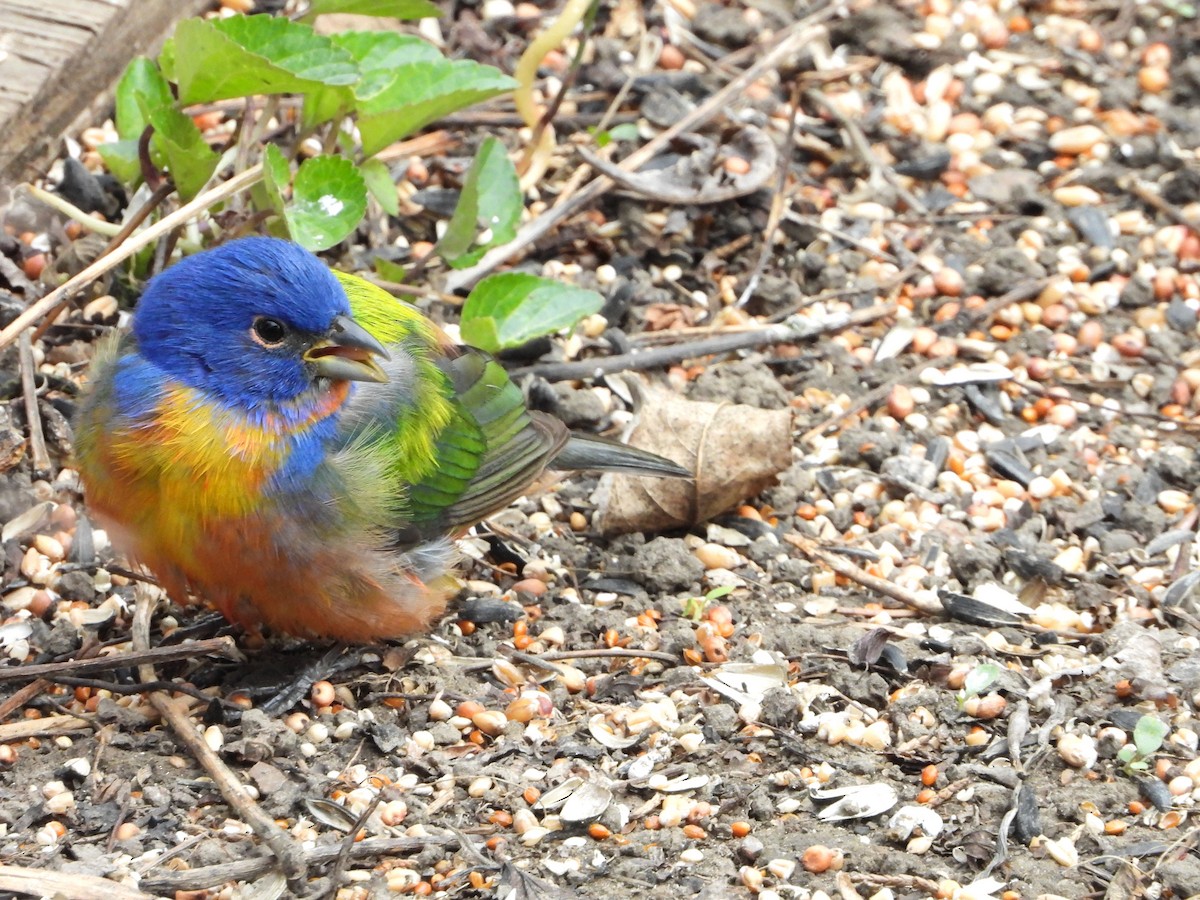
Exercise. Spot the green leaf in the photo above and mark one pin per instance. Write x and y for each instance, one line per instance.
(421, 92)
(1148, 735)
(390, 271)
(216, 59)
(393, 9)
(329, 198)
(380, 184)
(980, 679)
(490, 199)
(277, 175)
(626, 131)
(121, 158)
(141, 84)
(189, 159)
(718, 592)
(378, 54)
(513, 308)
(166, 59)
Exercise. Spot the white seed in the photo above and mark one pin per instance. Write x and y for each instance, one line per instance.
(1041, 487)
(1173, 501)
(534, 836)
(715, 556)
(479, 787)
(752, 878)
(49, 547)
(100, 309)
(1063, 852)
(491, 721)
(214, 737)
(523, 820)
(61, 803)
(1078, 751)
(782, 868)
(402, 881)
(1071, 560)
(1074, 141)
(1077, 195)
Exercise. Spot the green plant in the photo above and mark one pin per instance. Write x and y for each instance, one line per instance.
(359, 93)
(978, 680)
(693, 607)
(1148, 737)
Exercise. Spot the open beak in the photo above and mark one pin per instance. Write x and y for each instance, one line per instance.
(348, 353)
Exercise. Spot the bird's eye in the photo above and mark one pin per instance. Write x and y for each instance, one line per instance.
(269, 332)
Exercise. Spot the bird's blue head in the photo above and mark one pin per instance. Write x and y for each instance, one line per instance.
(254, 322)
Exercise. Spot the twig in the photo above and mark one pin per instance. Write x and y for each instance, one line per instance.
(655, 357)
(969, 318)
(779, 202)
(82, 667)
(687, 333)
(131, 223)
(27, 728)
(141, 687)
(788, 42)
(71, 211)
(33, 418)
(67, 885)
(338, 870)
(789, 332)
(906, 883)
(237, 183)
(1183, 560)
(421, 145)
(1167, 423)
(886, 286)
(247, 869)
(862, 149)
(287, 852)
(817, 225)
(22, 696)
(1147, 195)
(542, 142)
(847, 569)
(878, 395)
(622, 652)
(660, 187)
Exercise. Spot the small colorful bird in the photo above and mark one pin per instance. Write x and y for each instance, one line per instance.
(299, 448)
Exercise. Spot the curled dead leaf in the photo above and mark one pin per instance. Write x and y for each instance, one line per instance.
(734, 450)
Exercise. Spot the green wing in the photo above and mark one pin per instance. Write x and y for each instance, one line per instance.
(487, 456)
(458, 441)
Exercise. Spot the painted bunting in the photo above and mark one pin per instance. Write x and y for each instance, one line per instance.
(300, 448)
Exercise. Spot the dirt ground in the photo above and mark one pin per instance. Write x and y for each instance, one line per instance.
(971, 584)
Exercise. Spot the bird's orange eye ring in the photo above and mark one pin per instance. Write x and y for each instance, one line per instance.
(268, 332)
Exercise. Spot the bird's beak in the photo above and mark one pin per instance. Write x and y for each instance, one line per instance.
(348, 353)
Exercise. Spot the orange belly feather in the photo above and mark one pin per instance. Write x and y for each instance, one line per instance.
(185, 495)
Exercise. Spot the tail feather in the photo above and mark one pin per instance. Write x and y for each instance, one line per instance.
(589, 451)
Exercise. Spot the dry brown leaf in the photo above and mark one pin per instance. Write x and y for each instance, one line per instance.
(735, 451)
